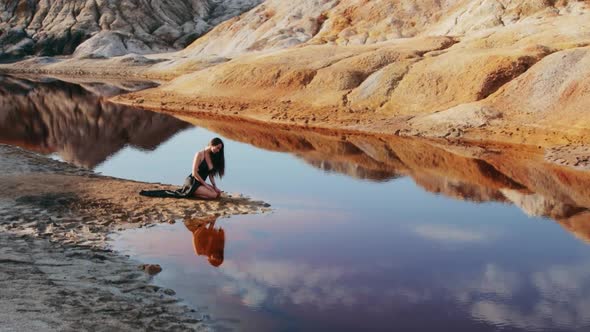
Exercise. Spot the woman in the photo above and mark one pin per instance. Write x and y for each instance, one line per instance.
(209, 162)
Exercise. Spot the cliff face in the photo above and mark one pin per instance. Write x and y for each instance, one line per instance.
(277, 24)
(105, 28)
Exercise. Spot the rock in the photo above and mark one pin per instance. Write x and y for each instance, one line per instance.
(168, 291)
(109, 27)
(151, 269)
(277, 24)
(556, 91)
(108, 44)
(440, 83)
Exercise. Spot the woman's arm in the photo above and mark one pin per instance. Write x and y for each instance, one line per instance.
(212, 179)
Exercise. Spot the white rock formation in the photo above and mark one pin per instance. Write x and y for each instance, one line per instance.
(108, 27)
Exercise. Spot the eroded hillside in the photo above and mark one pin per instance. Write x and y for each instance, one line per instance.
(488, 69)
(105, 28)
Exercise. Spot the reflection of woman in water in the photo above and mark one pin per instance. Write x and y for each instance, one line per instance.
(207, 241)
(208, 162)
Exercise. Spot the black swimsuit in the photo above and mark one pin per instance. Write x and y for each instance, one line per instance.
(188, 189)
(203, 171)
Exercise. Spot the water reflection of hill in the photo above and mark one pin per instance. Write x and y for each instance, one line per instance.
(511, 174)
(76, 121)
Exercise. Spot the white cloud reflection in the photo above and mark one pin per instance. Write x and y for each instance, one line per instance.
(559, 297)
(282, 282)
(296, 283)
(445, 233)
(556, 297)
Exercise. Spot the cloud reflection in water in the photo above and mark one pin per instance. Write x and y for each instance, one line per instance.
(560, 300)
(280, 282)
(446, 233)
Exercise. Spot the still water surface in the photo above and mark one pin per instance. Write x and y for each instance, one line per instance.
(354, 243)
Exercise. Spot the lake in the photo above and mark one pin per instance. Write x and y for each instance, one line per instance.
(367, 233)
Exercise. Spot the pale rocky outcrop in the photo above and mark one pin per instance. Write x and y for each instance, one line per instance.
(277, 24)
(438, 83)
(274, 24)
(107, 28)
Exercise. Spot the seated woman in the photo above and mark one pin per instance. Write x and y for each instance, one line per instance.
(209, 162)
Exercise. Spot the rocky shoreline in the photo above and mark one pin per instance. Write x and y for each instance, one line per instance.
(57, 267)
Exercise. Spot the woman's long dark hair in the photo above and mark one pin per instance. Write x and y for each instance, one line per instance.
(218, 159)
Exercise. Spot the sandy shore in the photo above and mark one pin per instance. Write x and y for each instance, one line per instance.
(58, 273)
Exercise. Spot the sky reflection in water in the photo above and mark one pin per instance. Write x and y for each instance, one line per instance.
(347, 254)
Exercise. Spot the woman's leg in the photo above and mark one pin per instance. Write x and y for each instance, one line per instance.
(206, 193)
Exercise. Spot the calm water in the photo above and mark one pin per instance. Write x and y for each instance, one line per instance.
(365, 234)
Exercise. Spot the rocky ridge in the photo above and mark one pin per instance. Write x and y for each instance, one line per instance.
(106, 28)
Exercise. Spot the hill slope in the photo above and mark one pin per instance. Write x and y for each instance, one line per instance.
(441, 68)
(107, 27)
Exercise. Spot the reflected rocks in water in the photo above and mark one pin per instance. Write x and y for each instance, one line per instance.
(510, 174)
(76, 121)
(208, 240)
(106, 88)
(354, 170)
(114, 88)
(327, 152)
